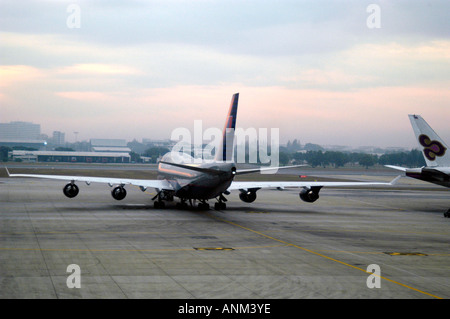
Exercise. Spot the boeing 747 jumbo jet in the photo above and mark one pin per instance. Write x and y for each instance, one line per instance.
(179, 176)
(434, 151)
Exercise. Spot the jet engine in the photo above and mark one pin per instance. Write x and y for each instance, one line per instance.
(247, 196)
(310, 195)
(71, 190)
(118, 193)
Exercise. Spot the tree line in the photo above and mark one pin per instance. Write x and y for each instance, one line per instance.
(337, 159)
(314, 158)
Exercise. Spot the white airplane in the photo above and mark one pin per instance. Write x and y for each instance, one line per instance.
(435, 153)
(201, 181)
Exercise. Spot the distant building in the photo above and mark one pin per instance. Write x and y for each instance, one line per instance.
(20, 131)
(69, 157)
(21, 134)
(109, 145)
(164, 143)
(58, 138)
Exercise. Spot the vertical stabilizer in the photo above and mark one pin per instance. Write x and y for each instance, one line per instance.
(224, 153)
(433, 148)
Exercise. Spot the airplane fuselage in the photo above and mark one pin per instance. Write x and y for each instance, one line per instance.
(191, 184)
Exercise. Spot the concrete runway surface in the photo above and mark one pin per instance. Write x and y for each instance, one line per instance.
(351, 243)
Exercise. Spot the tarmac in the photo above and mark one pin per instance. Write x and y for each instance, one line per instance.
(380, 243)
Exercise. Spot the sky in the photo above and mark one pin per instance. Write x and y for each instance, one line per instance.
(342, 72)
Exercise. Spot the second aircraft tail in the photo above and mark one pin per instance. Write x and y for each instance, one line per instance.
(433, 148)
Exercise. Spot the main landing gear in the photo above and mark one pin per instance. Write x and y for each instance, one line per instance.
(160, 198)
(220, 204)
(203, 205)
(183, 203)
(159, 204)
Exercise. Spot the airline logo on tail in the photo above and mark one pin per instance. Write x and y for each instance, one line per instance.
(432, 148)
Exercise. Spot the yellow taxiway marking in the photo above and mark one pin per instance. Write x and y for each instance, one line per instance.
(324, 256)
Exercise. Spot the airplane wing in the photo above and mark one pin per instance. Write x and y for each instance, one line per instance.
(160, 184)
(398, 168)
(281, 185)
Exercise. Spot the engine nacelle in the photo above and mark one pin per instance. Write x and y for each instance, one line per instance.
(247, 196)
(71, 190)
(118, 193)
(310, 195)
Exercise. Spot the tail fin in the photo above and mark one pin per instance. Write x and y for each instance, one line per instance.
(224, 153)
(433, 147)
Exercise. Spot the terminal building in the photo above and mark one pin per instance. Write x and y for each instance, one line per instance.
(70, 157)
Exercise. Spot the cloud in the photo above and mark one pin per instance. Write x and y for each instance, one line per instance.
(312, 68)
(375, 65)
(256, 27)
(98, 69)
(84, 96)
(11, 74)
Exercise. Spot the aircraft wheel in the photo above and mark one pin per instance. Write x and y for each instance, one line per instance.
(220, 206)
(447, 214)
(204, 206)
(159, 204)
(181, 205)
